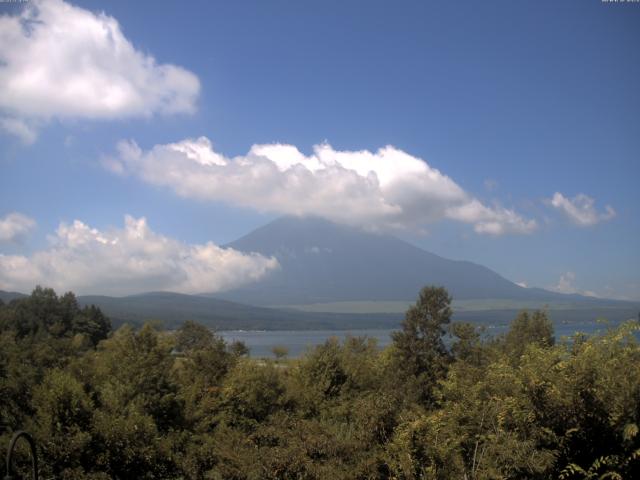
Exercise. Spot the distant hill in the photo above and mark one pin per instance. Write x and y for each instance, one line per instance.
(6, 297)
(323, 262)
(172, 309)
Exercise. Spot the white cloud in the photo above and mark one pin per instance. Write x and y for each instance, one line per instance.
(19, 128)
(491, 220)
(387, 189)
(15, 226)
(130, 260)
(566, 284)
(62, 61)
(581, 209)
(522, 284)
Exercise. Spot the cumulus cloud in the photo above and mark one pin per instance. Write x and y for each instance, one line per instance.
(581, 209)
(566, 284)
(62, 61)
(387, 189)
(133, 259)
(491, 220)
(15, 226)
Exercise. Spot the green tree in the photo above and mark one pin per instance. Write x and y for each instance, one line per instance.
(238, 348)
(280, 352)
(45, 315)
(64, 416)
(193, 336)
(90, 321)
(321, 374)
(200, 370)
(419, 349)
(469, 346)
(251, 393)
(526, 329)
(139, 404)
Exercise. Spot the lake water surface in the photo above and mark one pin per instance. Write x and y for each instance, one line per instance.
(261, 343)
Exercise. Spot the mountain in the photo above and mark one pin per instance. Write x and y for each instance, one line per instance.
(323, 262)
(6, 297)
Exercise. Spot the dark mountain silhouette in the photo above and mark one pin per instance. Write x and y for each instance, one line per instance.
(325, 262)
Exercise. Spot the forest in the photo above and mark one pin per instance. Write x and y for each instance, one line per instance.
(147, 403)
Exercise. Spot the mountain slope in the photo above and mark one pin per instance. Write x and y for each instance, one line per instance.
(6, 297)
(324, 262)
(172, 309)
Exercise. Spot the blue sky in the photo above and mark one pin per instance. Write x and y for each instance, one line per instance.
(511, 102)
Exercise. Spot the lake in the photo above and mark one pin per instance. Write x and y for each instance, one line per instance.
(297, 342)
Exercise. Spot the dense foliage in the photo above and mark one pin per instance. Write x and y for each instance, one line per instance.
(147, 403)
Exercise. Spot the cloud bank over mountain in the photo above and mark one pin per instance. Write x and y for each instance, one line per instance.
(566, 284)
(133, 259)
(62, 61)
(384, 190)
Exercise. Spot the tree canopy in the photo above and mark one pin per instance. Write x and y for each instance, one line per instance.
(147, 403)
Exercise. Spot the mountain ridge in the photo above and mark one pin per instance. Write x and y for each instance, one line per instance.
(325, 262)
